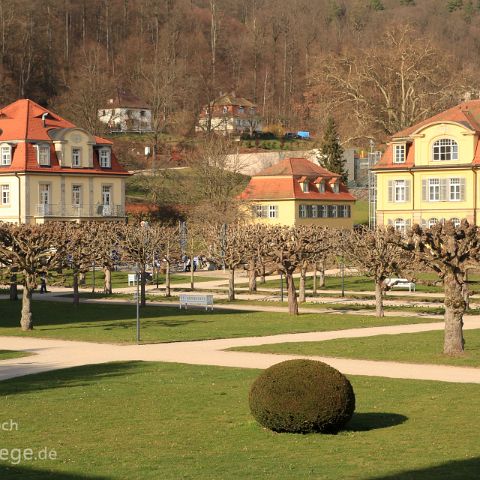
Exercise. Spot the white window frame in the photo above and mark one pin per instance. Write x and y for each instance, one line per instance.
(43, 154)
(305, 187)
(400, 191)
(400, 225)
(399, 153)
(105, 158)
(5, 155)
(5, 195)
(444, 149)
(76, 164)
(456, 222)
(272, 211)
(433, 190)
(321, 187)
(77, 195)
(455, 190)
(432, 222)
(302, 211)
(335, 187)
(315, 211)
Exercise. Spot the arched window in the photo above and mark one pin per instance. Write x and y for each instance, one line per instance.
(445, 149)
(432, 222)
(400, 224)
(455, 221)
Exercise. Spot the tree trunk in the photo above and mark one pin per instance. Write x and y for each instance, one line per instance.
(379, 312)
(81, 278)
(262, 274)
(192, 276)
(454, 310)
(107, 282)
(315, 280)
(76, 296)
(13, 288)
(143, 278)
(26, 322)
(231, 285)
(321, 282)
(301, 294)
(252, 277)
(292, 295)
(168, 290)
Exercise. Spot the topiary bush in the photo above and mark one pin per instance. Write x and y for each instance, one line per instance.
(302, 396)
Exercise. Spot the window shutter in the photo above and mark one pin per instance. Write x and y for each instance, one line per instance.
(424, 223)
(424, 190)
(390, 222)
(444, 183)
(390, 190)
(407, 190)
(462, 189)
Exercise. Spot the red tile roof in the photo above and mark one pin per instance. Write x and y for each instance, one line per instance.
(290, 173)
(22, 121)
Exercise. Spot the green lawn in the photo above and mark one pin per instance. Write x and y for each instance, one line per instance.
(116, 323)
(362, 284)
(6, 354)
(423, 347)
(142, 421)
(120, 279)
(360, 212)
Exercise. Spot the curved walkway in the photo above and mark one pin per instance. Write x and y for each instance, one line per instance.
(57, 354)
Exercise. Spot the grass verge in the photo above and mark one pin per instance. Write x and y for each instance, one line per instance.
(193, 422)
(116, 323)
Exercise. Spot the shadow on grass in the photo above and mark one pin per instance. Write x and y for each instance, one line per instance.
(454, 470)
(46, 314)
(364, 422)
(23, 473)
(69, 377)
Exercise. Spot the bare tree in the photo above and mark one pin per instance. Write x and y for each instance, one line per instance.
(374, 254)
(449, 252)
(170, 245)
(30, 250)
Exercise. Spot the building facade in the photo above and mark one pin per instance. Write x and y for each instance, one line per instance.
(52, 170)
(430, 171)
(297, 191)
(229, 115)
(125, 112)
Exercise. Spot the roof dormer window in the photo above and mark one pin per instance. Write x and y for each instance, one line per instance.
(105, 158)
(335, 187)
(399, 153)
(445, 149)
(5, 154)
(305, 187)
(43, 154)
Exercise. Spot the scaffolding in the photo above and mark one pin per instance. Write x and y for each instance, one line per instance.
(373, 159)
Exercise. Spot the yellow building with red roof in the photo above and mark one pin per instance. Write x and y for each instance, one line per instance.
(52, 170)
(297, 191)
(430, 171)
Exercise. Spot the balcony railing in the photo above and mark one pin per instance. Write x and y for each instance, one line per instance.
(80, 211)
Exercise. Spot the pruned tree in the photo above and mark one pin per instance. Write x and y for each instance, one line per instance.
(449, 251)
(228, 245)
(169, 238)
(376, 256)
(30, 250)
(140, 244)
(287, 248)
(80, 241)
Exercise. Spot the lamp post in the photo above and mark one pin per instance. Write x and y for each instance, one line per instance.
(137, 296)
(343, 276)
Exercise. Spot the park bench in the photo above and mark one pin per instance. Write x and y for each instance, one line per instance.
(400, 283)
(187, 299)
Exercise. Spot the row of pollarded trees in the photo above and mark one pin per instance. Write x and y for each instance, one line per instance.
(379, 254)
(27, 251)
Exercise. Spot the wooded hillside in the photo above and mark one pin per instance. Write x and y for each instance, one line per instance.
(377, 65)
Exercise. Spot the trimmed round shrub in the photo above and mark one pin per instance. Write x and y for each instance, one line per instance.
(302, 396)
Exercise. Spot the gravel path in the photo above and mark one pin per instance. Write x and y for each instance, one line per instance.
(57, 354)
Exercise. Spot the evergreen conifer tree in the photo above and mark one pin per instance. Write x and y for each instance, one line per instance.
(332, 152)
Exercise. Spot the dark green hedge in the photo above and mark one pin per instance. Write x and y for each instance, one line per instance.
(302, 396)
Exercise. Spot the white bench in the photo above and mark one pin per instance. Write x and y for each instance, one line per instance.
(187, 299)
(132, 279)
(400, 283)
